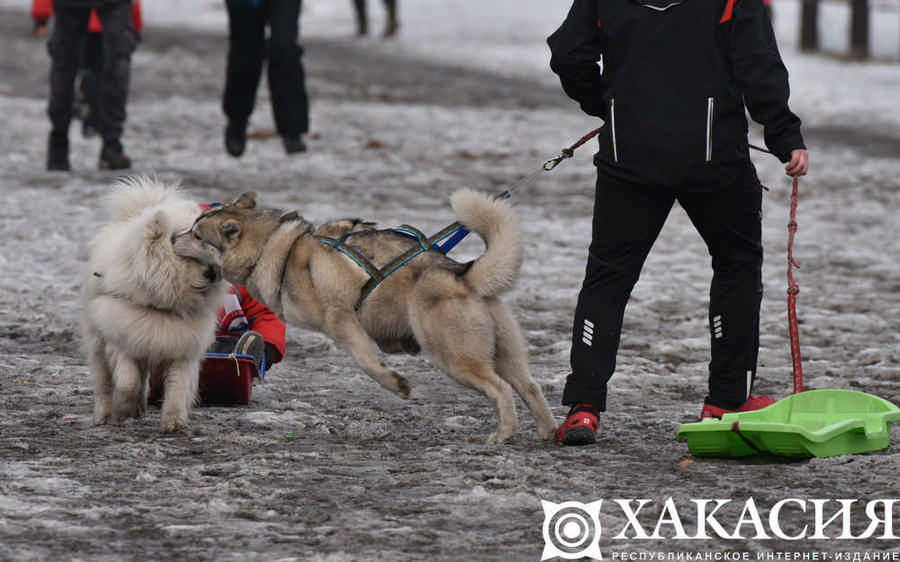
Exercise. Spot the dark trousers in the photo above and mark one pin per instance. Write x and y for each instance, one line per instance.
(362, 16)
(247, 49)
(90, 70)
(628, 217)
(65, 47)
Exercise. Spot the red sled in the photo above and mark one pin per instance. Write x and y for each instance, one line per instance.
(225, 380)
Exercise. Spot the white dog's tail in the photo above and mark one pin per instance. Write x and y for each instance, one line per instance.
(131, 195)
(496, 222)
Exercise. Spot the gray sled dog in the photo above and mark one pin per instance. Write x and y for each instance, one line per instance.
(433, 303)
(151, 293)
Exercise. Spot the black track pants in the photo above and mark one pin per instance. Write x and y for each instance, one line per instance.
(119, 42)
(248, 49)
(628, 217)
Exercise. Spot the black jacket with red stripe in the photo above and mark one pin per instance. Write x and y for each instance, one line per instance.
(676, 78)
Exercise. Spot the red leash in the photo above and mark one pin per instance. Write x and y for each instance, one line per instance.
(793, 289)
(569, 152)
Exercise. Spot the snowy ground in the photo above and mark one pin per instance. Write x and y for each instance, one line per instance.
(324, 465)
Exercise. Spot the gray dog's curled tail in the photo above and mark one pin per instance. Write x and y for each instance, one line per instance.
(496, 222)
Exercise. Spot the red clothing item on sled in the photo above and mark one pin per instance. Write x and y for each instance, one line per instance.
(41, 10)
(241, 312)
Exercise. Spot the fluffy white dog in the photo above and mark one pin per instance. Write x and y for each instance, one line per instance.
(151, 294)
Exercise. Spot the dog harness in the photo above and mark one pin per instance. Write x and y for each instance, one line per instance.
(442, 242)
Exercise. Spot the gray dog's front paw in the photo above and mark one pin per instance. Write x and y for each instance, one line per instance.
(403, 388)
(497, 438)
(547, 433)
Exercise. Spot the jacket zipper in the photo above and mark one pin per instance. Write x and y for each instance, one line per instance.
(710, 110)
(612, 125)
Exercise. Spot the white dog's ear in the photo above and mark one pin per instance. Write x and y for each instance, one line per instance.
(230, 230)
(246, 200)
(288, 216)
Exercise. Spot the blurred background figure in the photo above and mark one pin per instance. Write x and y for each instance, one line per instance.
(111, 60)
(247, 49)
(90, 67)
(391, 26)
(41, 10)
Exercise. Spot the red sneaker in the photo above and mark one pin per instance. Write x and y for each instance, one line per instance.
(580, 427)
(754, 403)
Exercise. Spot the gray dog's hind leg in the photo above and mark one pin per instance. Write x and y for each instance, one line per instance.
(344, 328)
(478, 374)
(511, 362)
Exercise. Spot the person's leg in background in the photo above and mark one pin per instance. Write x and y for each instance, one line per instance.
(119, 43)
(91, 68)
(64, 47)
(246, 53)
(362, 17)
(287, 80)
(392, 26)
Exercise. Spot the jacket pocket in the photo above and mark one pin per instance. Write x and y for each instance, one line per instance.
(710, 117)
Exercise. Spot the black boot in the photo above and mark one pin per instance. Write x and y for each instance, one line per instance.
(112, 157)
(58, 152)
(235, 138)
(293, 144)
(393, 24)
(362, 18)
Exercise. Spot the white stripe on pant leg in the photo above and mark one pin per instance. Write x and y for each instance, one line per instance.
(587, 333)
(749, 383)
(718, 329)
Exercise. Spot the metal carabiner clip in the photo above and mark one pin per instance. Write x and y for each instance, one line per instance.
(554, 162)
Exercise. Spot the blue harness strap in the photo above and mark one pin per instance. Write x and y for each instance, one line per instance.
(416, 235)
(444, 241)
(450, 236)
(455, 238)
(361, 260)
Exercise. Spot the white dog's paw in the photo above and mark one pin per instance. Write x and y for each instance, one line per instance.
(126, 410)
(102, 418)
(174, 424)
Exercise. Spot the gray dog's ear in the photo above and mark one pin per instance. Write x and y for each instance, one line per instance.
(230, 230)
(246, 200)
(288, 216)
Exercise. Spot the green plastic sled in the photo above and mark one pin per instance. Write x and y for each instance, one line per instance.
(817, 423)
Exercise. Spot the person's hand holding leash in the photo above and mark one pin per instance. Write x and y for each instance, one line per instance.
(799, 164)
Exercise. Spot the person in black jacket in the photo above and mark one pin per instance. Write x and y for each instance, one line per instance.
(672, 80)
(119, 41)
(247, 49)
